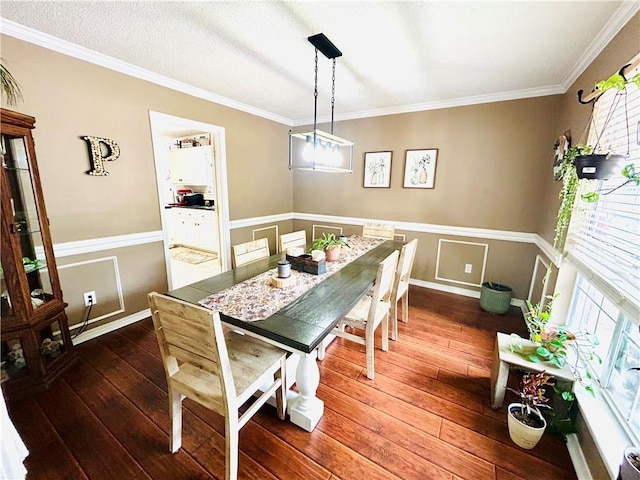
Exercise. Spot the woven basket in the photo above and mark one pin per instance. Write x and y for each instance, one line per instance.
(496, 299)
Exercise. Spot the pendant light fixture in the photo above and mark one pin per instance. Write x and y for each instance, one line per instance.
(315, 149)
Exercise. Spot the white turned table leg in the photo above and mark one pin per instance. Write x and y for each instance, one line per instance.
(306, 410)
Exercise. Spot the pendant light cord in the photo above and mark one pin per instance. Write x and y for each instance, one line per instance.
(315, 101)
(333, 92)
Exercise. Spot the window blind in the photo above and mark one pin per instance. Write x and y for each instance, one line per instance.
(604, 237)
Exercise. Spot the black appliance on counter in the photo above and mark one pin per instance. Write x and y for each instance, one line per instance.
(192, 199)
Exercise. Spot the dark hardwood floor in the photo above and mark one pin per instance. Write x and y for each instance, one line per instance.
(425, 416)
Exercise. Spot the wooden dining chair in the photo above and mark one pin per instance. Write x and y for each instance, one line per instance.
(244, 253)
(293, 240)
(378, 230)
(400, 289)
(219, 371)
(369, 313)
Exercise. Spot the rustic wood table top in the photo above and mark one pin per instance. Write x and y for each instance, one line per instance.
(306, 321)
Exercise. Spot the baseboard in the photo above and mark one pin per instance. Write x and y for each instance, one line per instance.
(111, 326)
(457, 290)
(577, 458)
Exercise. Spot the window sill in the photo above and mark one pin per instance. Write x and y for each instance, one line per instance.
(604, 428)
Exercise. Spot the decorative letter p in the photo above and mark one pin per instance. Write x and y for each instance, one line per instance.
(97, 159)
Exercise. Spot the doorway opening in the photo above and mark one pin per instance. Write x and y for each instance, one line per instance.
(191, 177)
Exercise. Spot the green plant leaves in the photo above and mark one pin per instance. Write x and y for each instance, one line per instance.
(616, 81)
(590, 197)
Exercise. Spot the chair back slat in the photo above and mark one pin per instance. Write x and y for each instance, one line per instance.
(196, 344)
(405, 264)
(384, 280)
(189, 356)
(244, 253)
(293, 240)
(378, 230)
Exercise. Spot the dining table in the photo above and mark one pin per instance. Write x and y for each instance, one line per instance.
(298, 325)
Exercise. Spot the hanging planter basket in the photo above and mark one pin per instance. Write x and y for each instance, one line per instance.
(598, 167)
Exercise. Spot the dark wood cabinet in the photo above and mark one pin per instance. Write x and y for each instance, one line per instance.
(35, 343)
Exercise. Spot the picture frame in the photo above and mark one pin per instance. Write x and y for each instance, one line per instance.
(377, 169)
(420, 168)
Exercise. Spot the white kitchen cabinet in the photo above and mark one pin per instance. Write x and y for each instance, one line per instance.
(196, 228)
(207, 231)
(191, 166)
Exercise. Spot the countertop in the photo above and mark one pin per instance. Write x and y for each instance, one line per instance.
(193, 207)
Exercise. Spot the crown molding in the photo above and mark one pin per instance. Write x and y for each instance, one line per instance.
(620, 18)
(50, 42)
(454, 102)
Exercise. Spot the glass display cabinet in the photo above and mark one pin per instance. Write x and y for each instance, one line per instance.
(35, 345)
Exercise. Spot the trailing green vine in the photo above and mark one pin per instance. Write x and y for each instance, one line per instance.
(568, 191)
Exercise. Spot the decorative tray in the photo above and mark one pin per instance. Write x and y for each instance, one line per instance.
(304, 263)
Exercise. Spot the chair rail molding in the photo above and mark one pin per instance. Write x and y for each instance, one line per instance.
(93, 245)
(508, 236)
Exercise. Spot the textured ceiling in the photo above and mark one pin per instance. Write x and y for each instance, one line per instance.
(397, 56)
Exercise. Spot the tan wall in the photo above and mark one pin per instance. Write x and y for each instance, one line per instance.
(136, 268)
(455, 252)
(69, 99)
(270, 231)
(492, 162)
(493, 168)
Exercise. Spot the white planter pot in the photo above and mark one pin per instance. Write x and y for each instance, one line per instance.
(523, 435)
(627, 470)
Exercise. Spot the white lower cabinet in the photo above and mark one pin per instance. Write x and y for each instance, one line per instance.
(195, 228)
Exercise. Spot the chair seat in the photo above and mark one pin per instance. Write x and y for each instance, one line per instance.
(357, 316)
(250, 361)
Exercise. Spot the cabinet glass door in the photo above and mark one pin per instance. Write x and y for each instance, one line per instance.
(25, 221)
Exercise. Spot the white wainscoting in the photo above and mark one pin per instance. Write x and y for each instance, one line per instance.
(117, 281)
(484, 246)
(121, 241)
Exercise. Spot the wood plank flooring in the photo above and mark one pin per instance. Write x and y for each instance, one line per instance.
(425, 416)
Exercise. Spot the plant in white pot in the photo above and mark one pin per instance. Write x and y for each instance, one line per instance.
(525, 421)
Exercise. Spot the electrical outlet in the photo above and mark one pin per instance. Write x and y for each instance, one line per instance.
(90, 299)
(468, 268)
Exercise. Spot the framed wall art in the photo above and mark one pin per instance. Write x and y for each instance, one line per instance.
(377, 170)
(420, 168)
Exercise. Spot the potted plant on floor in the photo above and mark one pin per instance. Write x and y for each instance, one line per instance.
(525, 421)
(330, 244)
(495, 297)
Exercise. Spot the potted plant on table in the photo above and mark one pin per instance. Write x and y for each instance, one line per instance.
(495, 297)
(525, 421)
(330, 244)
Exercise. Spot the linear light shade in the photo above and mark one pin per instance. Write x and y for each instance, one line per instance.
(320, 151)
